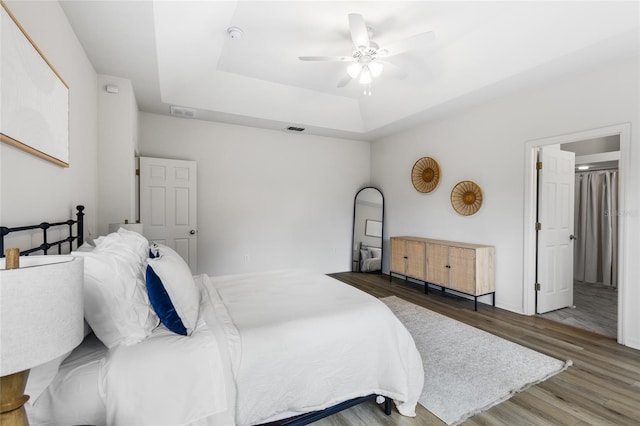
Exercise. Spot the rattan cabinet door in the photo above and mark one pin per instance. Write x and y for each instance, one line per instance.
(462, 271)
(438, 264)
(398, 260)
(416, 259)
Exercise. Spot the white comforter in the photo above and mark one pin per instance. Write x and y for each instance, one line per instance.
(169, 379)
(372, 264)
(290, 341)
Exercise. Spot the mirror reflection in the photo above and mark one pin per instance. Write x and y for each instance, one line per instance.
(368, 215)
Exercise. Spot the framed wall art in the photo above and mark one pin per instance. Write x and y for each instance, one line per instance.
(373, 228)
(34, 100)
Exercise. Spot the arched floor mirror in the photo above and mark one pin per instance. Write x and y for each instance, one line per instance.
(368, 221)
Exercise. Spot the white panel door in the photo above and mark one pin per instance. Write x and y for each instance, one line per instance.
(556, 185)
(168, 205)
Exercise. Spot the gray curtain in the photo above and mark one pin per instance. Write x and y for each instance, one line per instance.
(596, 227)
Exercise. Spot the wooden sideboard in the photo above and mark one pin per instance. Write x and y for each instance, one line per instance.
(462, 267)
(408, 258)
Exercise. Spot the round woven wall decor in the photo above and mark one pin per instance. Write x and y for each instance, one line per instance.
(466, 197)
(425, 174)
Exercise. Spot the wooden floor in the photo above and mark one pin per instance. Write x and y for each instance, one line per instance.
(595, 308)
(601, 388)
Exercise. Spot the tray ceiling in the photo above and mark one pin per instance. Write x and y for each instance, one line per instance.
(179, 53)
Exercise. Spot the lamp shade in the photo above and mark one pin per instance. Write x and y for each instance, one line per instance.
(354, 69)
(375, 68)
(365, 75)
(41, 310)
(136, 227)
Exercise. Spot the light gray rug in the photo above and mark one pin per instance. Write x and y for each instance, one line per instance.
(467, 370)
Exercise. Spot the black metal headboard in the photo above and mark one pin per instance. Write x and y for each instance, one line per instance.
(44, 226)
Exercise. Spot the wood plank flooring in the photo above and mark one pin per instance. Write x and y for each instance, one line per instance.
(601, 388)
(595, 308)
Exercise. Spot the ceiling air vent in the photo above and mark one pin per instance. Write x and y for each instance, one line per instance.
(182, 111)
(295, 129)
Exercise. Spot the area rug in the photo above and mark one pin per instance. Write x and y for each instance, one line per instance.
(467, 370)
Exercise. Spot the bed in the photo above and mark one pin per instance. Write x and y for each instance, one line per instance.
(279, 347)
(370, 258)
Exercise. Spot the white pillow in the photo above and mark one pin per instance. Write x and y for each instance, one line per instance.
(116, 305)
(376, 253)
(172, 291)
(136, 243)
(365, 254)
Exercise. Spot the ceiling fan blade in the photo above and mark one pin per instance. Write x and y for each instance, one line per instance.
(358, 28)
(326, 58)
(415, 42)
(393, 70)
(344, 81)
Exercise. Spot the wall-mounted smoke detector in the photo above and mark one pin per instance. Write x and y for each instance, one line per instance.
(185, 112)
(295, 129)
(235, 33)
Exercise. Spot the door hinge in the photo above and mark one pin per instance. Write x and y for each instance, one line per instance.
(137, 172)
(539, 165)
(537, 286)
(538, 226)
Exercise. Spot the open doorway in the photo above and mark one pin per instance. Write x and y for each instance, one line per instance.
(624, 314)
(594, 238)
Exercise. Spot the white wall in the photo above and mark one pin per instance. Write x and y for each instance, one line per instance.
(117, 148)
(486, 144)
(266, 199)
(32, 189)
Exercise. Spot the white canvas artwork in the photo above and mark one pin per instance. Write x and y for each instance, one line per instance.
(373, 228)
(34, 100)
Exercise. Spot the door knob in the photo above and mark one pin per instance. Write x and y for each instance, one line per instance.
(573, 237)
(193, 232)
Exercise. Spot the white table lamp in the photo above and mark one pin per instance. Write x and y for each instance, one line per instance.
(41, 318)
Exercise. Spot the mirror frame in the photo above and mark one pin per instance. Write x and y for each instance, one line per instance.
(353, 230)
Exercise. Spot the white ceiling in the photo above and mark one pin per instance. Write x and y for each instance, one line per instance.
(179, 53)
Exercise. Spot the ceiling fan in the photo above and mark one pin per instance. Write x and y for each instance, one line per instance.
(368, 59)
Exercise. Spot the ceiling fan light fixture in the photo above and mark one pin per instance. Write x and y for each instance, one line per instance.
(375, 68)
(354, 70)
(365, 75)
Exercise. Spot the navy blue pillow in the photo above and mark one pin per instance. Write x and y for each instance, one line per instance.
(162, 304)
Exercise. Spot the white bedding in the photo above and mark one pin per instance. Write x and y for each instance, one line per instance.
(308, 341)
(72, 398)
(169, 379)
(267, 346)
(372, 264)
